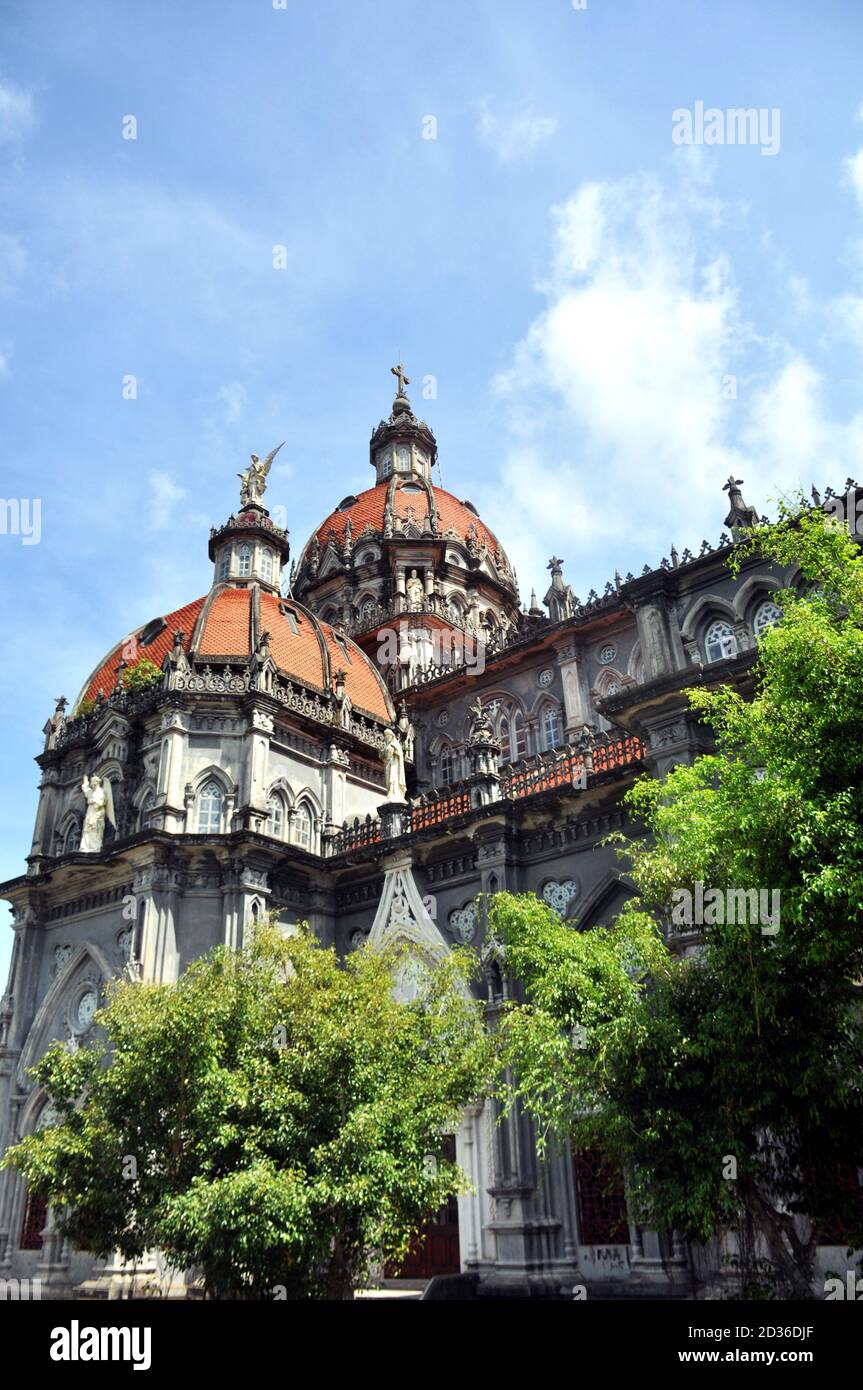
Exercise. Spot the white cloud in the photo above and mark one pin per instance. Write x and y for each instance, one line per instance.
(853, 170)
(164, 496)
(515, 136)
(623, 372)
(16, 112)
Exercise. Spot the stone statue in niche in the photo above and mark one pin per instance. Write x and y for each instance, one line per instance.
(394, 767)
(415, 592)
(100, 809)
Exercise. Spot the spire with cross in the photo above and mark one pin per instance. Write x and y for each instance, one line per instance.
(404, 379)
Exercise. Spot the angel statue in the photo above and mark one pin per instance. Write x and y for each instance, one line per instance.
(253, 482)
(394, 767)
(100, 807)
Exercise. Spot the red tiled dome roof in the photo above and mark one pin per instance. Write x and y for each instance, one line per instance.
(219, 626)
(368, 509)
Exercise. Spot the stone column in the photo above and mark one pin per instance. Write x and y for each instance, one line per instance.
(577, 704)
(661, 643)
(157, 891)
(335, 784)
(169, 809)
(252, 811)
(46, 814)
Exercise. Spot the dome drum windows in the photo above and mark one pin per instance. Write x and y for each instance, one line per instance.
(244, 561)
(267, 565)
(211, 802)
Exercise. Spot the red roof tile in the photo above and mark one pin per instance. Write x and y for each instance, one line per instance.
(369, 510)
(226, 632)
(104, 678)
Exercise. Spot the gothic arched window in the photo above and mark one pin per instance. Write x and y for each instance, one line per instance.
(276, 817)
(303, 828)
(519, 736)
(146, 808)
(225, 564)
(505, 741)
(210, 800)
(767, 614)
(552, 733)
(73, 838)
(245, 557)
(446, 764)
(267, 565)
(719, 640)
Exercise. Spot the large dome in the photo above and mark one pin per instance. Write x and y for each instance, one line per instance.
(220, 627)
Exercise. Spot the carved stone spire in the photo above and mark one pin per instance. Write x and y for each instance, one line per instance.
(403, 445)
(560, 600)
(739, 515)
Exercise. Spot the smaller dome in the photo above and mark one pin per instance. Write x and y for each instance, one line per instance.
(409, 502)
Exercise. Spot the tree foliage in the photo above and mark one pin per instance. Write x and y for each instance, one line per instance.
(280, 1110)
(729, 1081)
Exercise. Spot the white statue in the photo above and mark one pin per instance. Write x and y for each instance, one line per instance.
(394, 767)
(100, 808)
(415, 592)
(253, 481)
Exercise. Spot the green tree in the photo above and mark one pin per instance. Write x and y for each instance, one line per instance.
(270, 1120)
(729, 1082)
(144, 674)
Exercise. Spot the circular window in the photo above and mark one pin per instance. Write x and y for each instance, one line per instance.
(560, 895)
(545, 677)
(124, 942)
(87, 1006)
(462, 923)
(607, 654)
(61, 955)
(443, 718)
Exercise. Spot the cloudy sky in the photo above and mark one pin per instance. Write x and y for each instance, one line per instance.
(608, 322)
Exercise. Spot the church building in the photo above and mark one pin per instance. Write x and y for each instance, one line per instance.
(371, 741)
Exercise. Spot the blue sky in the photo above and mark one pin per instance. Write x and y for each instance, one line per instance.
(580, 287)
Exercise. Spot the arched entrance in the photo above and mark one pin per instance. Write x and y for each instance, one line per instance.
(436, 1249)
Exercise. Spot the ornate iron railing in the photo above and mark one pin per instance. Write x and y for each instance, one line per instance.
(568, 767)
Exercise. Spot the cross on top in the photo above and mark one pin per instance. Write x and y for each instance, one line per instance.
(404, 379)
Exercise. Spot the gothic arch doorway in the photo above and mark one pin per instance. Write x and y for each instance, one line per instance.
(436, 1249)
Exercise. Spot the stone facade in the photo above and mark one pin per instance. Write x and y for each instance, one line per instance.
(245, 784)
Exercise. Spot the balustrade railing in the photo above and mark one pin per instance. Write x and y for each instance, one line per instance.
(566, 767)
